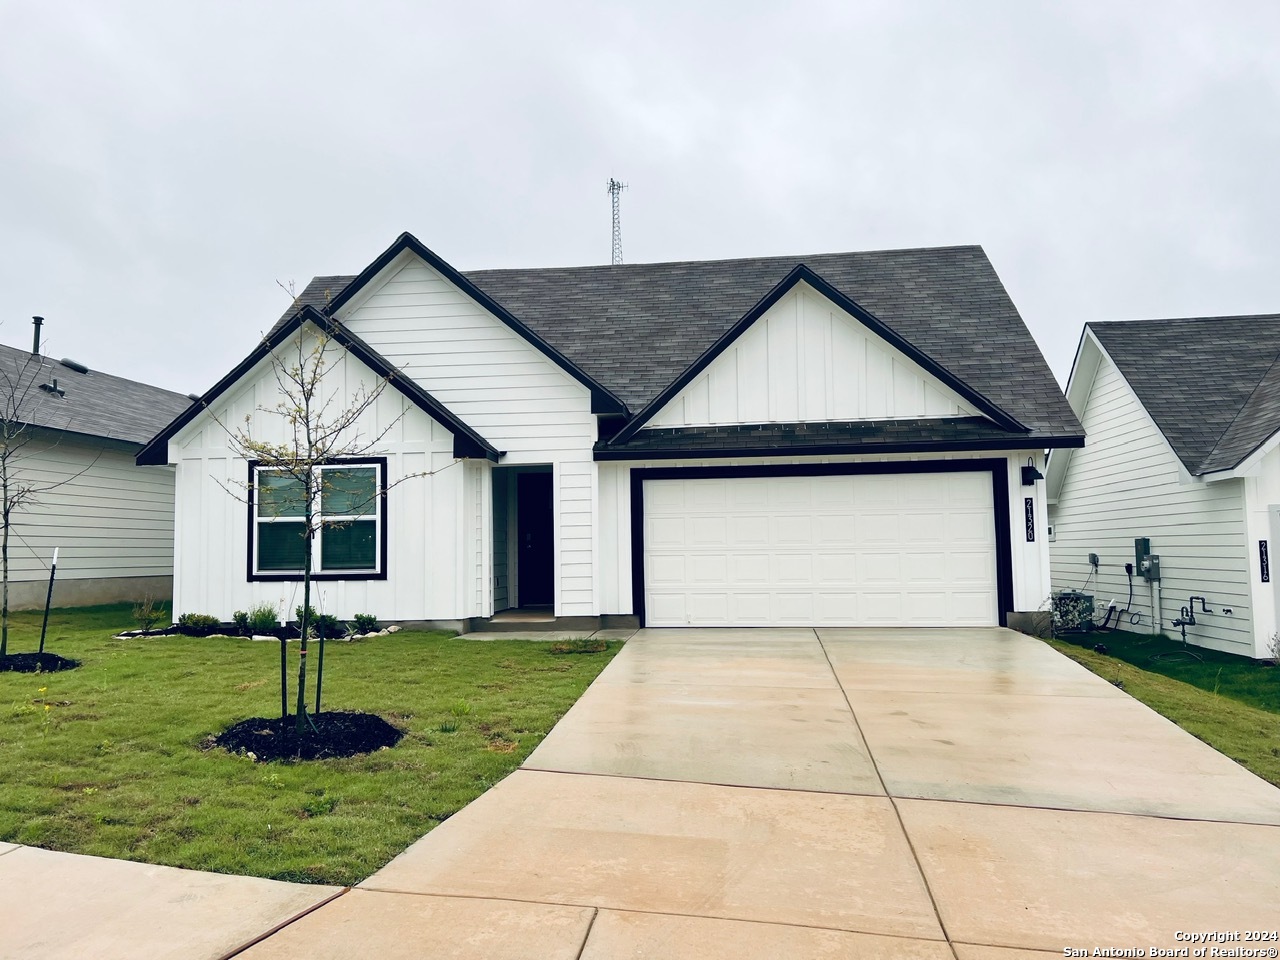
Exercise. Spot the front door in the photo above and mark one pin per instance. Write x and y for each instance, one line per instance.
(534, 523)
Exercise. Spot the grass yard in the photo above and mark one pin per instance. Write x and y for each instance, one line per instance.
(1249, 734)
(106, 759)
(1250, 682)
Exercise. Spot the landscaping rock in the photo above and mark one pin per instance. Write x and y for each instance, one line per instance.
(392, 629)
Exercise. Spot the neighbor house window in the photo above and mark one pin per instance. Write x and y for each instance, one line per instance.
(350, 522)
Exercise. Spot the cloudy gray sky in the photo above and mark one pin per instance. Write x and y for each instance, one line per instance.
(163, 164)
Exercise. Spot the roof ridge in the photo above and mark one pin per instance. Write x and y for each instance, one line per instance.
(1155, 320)
(1275, 361)
(799, 257)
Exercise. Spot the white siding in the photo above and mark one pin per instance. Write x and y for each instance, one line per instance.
(109, 517)
(436, 527)
(1030, 560)
(1262, 494)
(1127, 483)
(806, 359)
(500, 385)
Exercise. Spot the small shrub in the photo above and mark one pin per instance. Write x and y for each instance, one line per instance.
(1072, 612)
(580, 645)
(146, 614)
(321, 624)
(241, 620)
(263, 619)
(365, 623)
(198, 624)
(1274, 649)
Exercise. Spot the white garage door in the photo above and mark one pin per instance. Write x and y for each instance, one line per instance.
(858, 550)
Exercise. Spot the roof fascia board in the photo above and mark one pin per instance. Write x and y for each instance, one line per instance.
(801, 273)
(829, 450)
(1087, 354)
(603, 401)
(467, 443)
(1184, 475)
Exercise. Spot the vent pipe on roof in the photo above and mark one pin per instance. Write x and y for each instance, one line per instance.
(35, 340)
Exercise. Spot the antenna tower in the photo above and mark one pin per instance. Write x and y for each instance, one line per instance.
(615, 191)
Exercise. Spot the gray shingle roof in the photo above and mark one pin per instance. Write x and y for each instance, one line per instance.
(93, 403)
(634, 328)
(1211, 384)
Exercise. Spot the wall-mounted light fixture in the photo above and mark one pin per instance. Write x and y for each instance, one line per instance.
(1030, 474)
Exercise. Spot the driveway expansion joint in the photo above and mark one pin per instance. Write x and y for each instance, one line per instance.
(933, 901)
(285, 923)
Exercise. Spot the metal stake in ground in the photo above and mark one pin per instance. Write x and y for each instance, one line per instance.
(48, 599)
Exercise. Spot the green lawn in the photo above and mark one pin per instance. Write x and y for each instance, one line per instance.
(1256, 684)
(107, 759)
(1248, 734)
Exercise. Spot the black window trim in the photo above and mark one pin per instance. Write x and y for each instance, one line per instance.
(253, 576)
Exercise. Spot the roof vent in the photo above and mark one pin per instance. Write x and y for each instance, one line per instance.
(53, 388)
(194, 396)
(74, 365)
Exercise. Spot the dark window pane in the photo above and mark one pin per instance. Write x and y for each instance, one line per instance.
(280, 495)
(282, 546)
(348, 492)
(348, 546)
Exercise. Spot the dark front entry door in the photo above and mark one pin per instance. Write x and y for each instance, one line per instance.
(534, 520)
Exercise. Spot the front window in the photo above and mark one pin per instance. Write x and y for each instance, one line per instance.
(348, 507)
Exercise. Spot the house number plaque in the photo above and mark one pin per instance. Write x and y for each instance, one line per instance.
(1264, 561)
(1031, 519)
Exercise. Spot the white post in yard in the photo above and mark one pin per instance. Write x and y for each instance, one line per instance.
(53, 568)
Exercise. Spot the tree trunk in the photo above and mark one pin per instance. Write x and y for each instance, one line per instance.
(305, 625)
(4, 549)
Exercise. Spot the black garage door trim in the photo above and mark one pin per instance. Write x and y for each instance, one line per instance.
(999, 470)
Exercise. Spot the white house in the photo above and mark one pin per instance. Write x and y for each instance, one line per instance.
(72, 435)
(835, 439)
(1183, 420)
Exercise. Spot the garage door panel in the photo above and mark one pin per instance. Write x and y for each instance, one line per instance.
(911, 549)
(749, 568)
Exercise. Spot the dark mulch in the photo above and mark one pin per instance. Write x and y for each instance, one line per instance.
(340, 735)
(35, 663)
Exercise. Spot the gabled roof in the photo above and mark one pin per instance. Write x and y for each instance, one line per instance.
(466, 442)
(1211, 384)
(636, 328)
(602, 399)
(94, 404)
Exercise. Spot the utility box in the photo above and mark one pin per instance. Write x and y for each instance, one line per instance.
(1141, 550)
(1150, 567)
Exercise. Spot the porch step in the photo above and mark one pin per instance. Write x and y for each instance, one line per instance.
(509, 620)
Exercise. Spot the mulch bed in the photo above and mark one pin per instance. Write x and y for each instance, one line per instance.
(340, 735)
(35, 663)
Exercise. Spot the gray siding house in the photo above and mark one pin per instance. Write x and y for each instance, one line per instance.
(73, 434)
(1183, 425)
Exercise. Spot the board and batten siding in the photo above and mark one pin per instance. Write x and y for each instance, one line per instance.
(109, 518)
(437, 512)
(806, 359)
(500, 385)
(1126, 483)
(1030, 559)
(1262, 498)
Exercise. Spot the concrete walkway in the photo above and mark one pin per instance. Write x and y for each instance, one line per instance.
(792, 793)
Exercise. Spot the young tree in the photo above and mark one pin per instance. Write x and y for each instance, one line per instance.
(26, 397)
(311, 425)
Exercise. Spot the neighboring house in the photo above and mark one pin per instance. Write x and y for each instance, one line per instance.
(824, 440)
(73, 435)
(1183, 418)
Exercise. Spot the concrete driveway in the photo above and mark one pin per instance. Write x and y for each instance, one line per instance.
(838, 793)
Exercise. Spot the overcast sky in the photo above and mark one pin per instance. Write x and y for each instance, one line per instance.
(163, 165)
